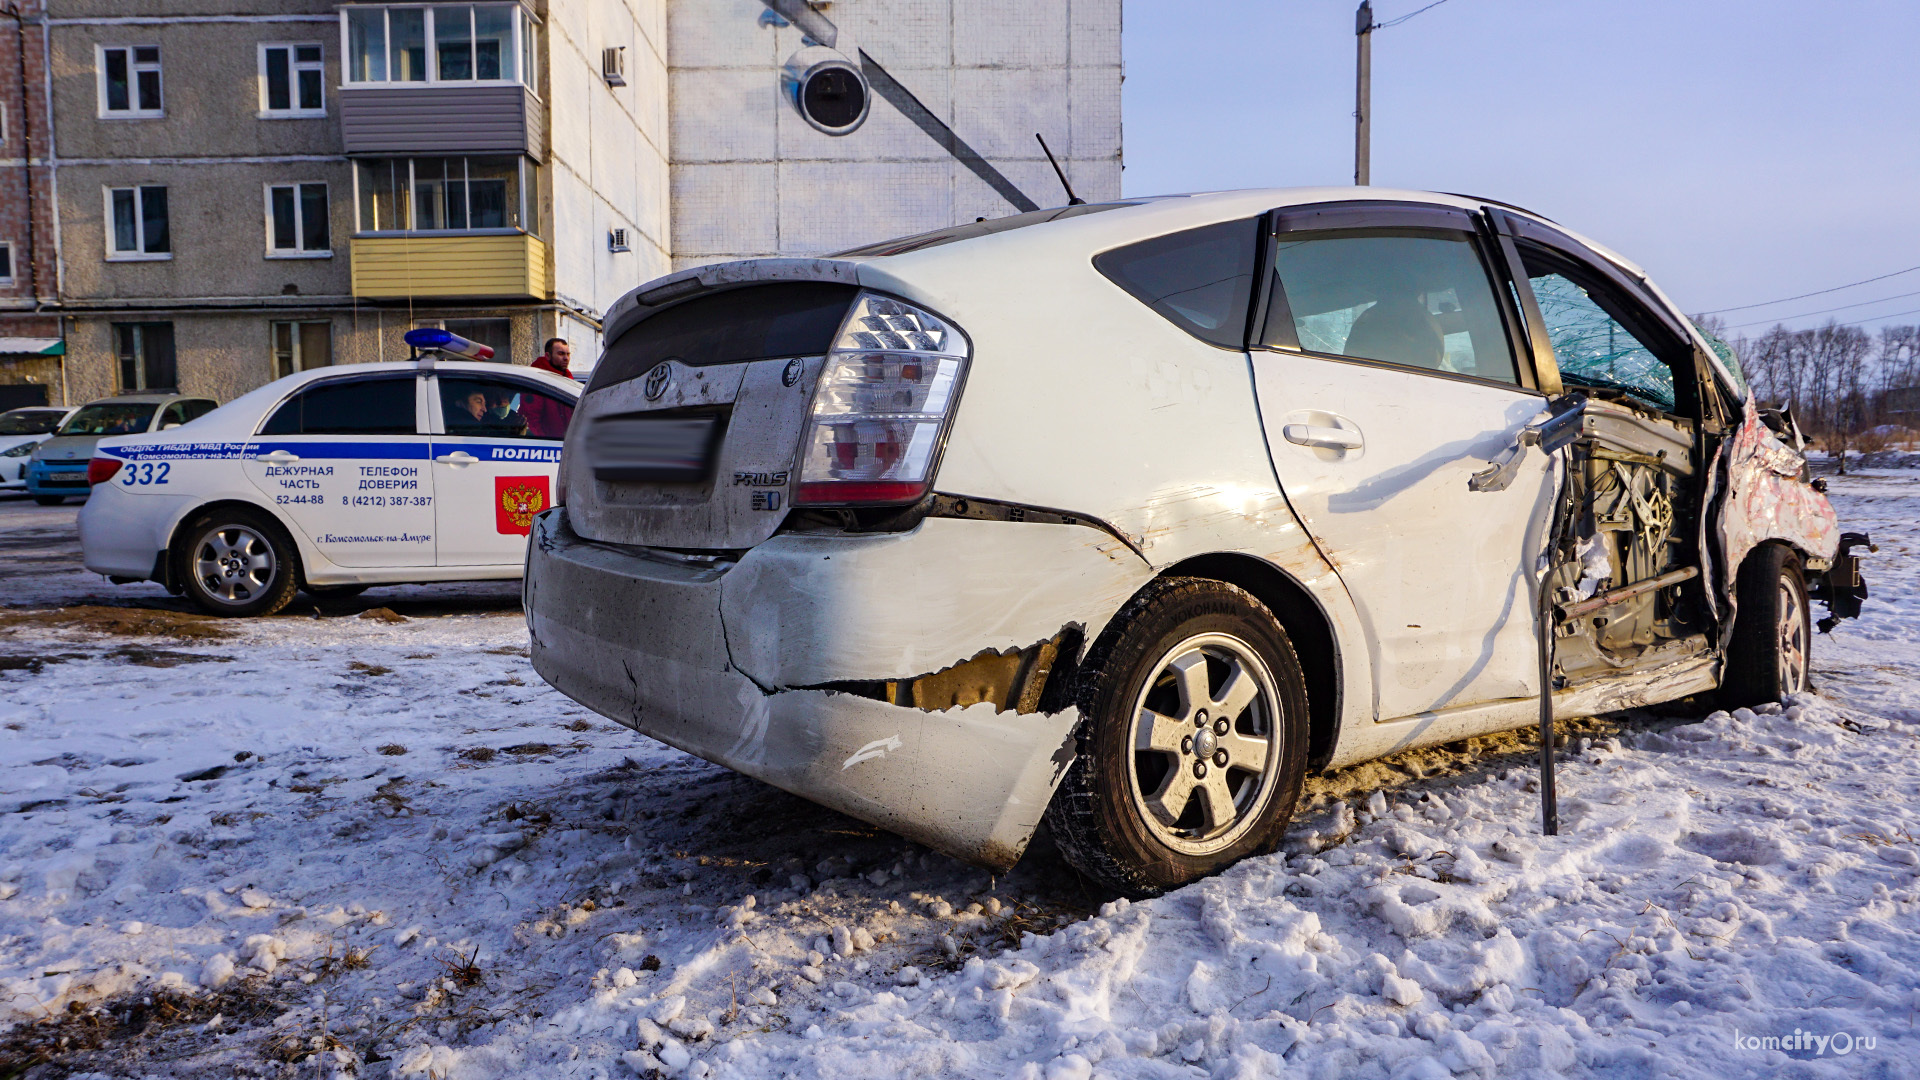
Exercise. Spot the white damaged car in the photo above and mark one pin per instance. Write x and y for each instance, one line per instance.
(1130, 514)
(332, 480)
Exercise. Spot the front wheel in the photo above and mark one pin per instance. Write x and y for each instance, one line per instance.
(1193, 747)
(1772, 647)
(238, 562)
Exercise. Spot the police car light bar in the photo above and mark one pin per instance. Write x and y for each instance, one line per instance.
(448, 344)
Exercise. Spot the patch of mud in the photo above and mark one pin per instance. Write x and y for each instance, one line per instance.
(128, 1034)
(120, 621)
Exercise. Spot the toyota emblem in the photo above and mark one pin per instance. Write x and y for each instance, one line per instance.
(792, 374)
(657, 380)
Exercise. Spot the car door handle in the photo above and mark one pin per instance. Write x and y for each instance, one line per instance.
(278, 457)
(458, 457)
(1329, 438)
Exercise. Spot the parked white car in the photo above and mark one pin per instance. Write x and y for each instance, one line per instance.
(333, 480)
(20, 431)
(1131, 514)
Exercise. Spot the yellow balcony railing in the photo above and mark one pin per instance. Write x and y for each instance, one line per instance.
(514, 265)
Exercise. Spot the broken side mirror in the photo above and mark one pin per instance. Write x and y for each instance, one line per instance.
(1559, 425)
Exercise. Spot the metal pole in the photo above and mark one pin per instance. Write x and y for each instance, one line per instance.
(1363, 96)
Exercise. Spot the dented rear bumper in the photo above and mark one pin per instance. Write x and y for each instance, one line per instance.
(730, 661)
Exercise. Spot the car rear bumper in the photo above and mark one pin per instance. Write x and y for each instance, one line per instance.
(731, 661)
(122, 534)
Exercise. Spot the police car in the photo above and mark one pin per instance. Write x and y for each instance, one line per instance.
(336, 479)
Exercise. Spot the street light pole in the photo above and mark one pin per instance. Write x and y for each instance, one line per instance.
(1363, 96)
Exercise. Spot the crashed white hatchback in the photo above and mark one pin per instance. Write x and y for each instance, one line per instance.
(1127, 515)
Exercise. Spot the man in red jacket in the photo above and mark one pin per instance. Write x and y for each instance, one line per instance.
(547, 418)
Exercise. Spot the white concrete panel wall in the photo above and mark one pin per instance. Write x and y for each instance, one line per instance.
(750, 177)
(607, 165)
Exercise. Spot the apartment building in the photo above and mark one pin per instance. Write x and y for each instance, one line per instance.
(225, 191)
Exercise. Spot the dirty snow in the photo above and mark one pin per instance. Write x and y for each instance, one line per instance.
(381, 846)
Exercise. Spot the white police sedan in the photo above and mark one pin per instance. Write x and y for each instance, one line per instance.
(335, 479)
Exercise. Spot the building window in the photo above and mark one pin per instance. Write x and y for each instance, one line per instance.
(146, 356)
(291, 81)
(496, 333)
(445, 43)
(137, 223)
(446, 194)
(297, 221)
(301, 346)
(6, 263)
(129, 80)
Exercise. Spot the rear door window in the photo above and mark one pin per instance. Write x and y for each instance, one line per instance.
(1199, 279)
(348, 407)
(1418, 298)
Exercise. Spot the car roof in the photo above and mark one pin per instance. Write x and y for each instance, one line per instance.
(37, 408)
(1125, 220)
(141, 399)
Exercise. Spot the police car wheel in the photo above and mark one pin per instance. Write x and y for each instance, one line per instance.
(238, 563)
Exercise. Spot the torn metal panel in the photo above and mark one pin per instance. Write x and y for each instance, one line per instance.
(1016, 680)
(1768, 498)
(810, 609)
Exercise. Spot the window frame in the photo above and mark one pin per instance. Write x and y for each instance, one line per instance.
(8, 277)
(299, 220)
(295, 347)
(1349, 217)
(134, 67)
(141, 254)
(141, 358)
(419, 403)
(294, 66)
(527, 200)
(437, 415)
(521, 55)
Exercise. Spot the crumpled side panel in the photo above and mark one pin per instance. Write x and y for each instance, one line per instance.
(1767, 500)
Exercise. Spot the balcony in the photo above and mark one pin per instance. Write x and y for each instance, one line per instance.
(506, 265)
(443, 119)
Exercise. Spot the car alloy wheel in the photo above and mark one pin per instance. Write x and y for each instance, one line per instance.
(1791, 620)
(237, 562)
(1205, 759)
(234, 564)
(1770, 652)
(1192, 746)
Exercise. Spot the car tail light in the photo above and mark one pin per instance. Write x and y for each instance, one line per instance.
(882, 406)
(102, 469)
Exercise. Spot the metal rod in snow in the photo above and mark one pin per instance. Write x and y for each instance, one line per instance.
(1363, 96)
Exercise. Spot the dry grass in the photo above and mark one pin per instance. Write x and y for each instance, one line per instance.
(131, 1032)
(121, 621)
(393, 749)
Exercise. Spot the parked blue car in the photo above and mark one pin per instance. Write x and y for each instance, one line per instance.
(58, 467)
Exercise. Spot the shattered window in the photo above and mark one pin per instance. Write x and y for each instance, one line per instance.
(1419, 298)
(1593, 349)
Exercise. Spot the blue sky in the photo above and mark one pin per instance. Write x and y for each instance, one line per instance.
(1740, 152)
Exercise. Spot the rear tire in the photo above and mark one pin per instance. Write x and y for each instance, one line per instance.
(49, 500)
(237, 562)
(1771, 653)
(1193, 740)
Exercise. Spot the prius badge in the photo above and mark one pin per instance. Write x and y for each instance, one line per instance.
(658, 379)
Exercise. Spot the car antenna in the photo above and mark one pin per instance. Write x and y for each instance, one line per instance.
(1072, 199)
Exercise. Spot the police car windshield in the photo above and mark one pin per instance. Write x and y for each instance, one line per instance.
(116, 418)
(30, 421)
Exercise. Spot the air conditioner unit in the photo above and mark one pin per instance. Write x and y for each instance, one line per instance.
(613, 65)
(617, 240)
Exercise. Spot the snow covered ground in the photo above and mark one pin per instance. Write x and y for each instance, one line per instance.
(334, 844)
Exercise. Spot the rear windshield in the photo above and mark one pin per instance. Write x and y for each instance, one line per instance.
(30, 421)
(952, 233)
(119, 418)
(759, 322)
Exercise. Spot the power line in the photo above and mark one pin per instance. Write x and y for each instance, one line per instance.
(1408, 15)
(1823, 311)
(1804, 295)
(1872, 318)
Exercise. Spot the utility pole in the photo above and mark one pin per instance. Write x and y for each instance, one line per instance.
(1363, 96)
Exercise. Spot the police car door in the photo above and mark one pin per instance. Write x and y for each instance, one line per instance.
(344, 461)
(496, 449)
